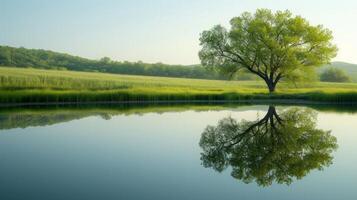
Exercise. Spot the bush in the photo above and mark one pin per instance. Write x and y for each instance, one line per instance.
(333, 74)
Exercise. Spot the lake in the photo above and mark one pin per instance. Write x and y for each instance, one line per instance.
(178, 152)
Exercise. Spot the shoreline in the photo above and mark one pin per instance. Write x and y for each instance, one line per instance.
(183, 102)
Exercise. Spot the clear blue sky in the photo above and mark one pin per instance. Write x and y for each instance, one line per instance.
(152, 30)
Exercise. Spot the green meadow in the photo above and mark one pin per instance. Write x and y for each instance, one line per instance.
(27, 85)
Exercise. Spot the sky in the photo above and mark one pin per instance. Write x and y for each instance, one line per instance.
(153, 31)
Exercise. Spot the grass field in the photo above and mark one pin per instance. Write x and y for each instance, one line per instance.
(24, 85)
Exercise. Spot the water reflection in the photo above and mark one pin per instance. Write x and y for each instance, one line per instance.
(277, 148)
(14, 117)
(23, 117)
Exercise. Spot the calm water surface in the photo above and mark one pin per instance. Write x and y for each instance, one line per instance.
(202, 152)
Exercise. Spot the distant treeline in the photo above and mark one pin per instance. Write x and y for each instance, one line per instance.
(43, 59)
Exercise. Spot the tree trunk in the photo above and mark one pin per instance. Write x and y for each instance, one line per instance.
(271, 85)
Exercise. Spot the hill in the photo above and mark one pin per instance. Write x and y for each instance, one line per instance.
(44, 59)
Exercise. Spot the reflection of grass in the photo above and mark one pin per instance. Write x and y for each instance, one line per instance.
(17, 117)
(32, 85)
(22, 117)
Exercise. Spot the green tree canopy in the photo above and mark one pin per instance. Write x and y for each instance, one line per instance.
(333, 74)
(276, 148)
(273, 46)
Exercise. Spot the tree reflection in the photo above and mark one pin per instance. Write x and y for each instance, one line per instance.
(276, 148)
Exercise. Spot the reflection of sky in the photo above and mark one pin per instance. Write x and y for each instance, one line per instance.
(155, 156)
(342, 172)
(152, 30)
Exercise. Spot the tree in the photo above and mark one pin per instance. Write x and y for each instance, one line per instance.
(273, 46)
(333, 74)
(277, 148)
(5, 56)
(105, 60)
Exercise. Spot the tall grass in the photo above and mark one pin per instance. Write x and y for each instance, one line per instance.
(33, 85)
(15, 78)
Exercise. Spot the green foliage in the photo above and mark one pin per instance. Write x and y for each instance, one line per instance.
(350, 69)
(273, 46)
(334, 74)
(277, 148)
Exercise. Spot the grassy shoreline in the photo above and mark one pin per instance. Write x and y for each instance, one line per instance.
(31, 86)
(74, 97)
